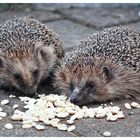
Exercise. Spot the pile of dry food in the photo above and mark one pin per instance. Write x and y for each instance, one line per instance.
(57, 111)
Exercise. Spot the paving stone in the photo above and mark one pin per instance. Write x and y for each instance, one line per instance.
(123, 127)
(130, 126)
(101, 17)
(40, 15)
(86, 127)
(17, 130)
(134, 26)
(71, 33)
(54, 6)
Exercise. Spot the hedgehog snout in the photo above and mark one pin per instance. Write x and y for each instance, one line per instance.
(74, 96)
(31, 91)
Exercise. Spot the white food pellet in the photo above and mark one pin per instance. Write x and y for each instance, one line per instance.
(15, 106)
(50, 104)
(62, 114)
(115, 108)
(16, 117)
(39, 127)
(112, 118)
(71, 128)
(1, 109)
(62, 127)
(127, 106)
(71, 111)
(120, 115)
(54, 122)
(73, 117)
(4, 102)
(79, 115)
(135, 105)
(84, 107)
(107, 134)
(24, 99)
(12, 96)
(35, 119)
(0, 118)
(51, 98)
(34, 124)
(100, 115)
(18, 112)
(3, 114)
(26, 126)
(89, 113)
(111, 103)
(27, 122)
(27, 117)
(47, 122)
(70, 121)
(8, 126)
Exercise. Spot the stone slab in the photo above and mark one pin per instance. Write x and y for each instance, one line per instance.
(101, 17)
(127, 127)
(43, 16)
(71, 33)
(91, 127)
(17, 130)
(54, 6)
(134, 26)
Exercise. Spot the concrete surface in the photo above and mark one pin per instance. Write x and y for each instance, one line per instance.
(40, 15)
(101, 17)
(54, 6)
(70, 32)
(73, 25)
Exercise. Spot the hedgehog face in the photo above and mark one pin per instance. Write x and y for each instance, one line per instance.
(26, 68)
(85, 84)
(87, 80)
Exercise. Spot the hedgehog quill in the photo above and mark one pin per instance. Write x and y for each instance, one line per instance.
(28, 53)
(103, 67)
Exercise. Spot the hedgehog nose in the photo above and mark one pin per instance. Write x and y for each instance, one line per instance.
(31, 94)
(73, 99)
(31, 91)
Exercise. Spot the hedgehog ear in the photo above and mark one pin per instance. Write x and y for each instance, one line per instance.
(47, 52)
(37, 47)
(105, 70)
(44, 51)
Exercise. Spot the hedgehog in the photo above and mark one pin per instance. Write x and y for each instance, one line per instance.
(29, 51)
(103, 67)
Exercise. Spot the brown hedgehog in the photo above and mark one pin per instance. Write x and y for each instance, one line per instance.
(103, 67)
(28, 53)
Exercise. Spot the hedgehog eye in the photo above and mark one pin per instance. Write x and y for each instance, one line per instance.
(17, 76)
(35, 72)
(90, 84)
(71, 86)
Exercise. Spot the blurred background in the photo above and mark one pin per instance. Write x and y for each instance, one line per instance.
(72, 21)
